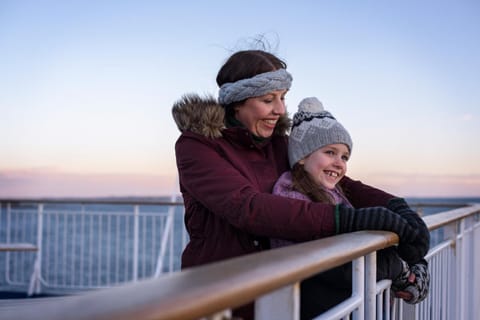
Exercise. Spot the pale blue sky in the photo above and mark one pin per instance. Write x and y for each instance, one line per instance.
(86, 87)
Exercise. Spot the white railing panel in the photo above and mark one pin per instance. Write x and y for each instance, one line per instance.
(87, 247)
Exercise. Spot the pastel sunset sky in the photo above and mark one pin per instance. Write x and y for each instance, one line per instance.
(86, 87)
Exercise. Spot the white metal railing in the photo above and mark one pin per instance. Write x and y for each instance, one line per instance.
(90, 244)
(272, 278)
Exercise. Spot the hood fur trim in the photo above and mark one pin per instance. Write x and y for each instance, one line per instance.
(200, 115)
(205, 116)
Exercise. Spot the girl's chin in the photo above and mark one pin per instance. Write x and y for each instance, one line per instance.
(329, 185)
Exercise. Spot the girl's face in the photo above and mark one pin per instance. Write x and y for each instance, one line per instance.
(260, 114)
(327, 165)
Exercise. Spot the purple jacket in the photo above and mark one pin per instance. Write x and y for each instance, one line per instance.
(226, 180)
(284, 187)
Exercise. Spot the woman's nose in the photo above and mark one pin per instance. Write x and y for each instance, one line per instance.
(279, 107)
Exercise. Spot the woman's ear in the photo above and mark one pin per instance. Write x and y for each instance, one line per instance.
(302, 161)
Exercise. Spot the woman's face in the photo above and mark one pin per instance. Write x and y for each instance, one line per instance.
(327, 165)
(260, 114)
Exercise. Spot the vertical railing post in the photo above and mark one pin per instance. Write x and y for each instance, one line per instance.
(358, 286)
(461, 254)
(476, 260)
(281, 304)
(7, 259)
(370, 285)
(82, 239)
(135, 241)
(172, 240)
(468, 276)
(384, 308)
(165, 236)
(450, 232)
(168, 229)
(35, 279)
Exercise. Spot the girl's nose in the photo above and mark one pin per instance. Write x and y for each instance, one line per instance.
(339, 162)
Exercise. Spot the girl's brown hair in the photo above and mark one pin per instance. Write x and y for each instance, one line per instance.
(303, 183)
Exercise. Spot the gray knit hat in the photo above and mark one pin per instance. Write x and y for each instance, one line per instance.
(313, 128)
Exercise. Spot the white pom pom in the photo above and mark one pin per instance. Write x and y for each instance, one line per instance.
(311, 104)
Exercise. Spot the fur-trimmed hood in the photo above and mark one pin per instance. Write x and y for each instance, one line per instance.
(205, 116)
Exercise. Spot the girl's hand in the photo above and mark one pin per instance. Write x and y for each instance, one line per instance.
(412, 285)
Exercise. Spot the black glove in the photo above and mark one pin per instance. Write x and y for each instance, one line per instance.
(414, 280)
(374, 218)
(421, 245)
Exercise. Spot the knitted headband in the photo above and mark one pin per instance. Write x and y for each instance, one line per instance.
(256, 86)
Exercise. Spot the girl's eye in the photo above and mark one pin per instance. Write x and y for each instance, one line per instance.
(345, 158)
(330, 152)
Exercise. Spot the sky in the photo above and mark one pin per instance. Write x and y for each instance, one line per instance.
(86, 87)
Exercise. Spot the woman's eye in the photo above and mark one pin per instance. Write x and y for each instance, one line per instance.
(345, 158)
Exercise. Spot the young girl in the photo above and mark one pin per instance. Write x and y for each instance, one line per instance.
(319, 149)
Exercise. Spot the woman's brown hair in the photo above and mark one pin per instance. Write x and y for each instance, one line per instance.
(247, 64)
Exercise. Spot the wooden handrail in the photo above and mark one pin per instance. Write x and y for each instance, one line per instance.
(196, 292)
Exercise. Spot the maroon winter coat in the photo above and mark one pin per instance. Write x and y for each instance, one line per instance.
(226, 181)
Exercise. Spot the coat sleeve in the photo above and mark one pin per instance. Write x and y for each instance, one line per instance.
(362, 196)
(222, 189)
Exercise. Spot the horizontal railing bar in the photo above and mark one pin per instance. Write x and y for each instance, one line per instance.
(203, 290)
(438, 204)
(438, 220)
(147, 201)
(104, 213)
(125, 201)
(20, 246)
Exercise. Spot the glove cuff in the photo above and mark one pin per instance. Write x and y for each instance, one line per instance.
(401, 281)
(337, 219)
(422, 261)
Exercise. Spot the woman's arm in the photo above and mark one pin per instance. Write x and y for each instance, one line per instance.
(224, 189)
(364, 196)
(361, 195)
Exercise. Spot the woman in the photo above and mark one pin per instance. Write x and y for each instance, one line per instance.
(229, 156)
